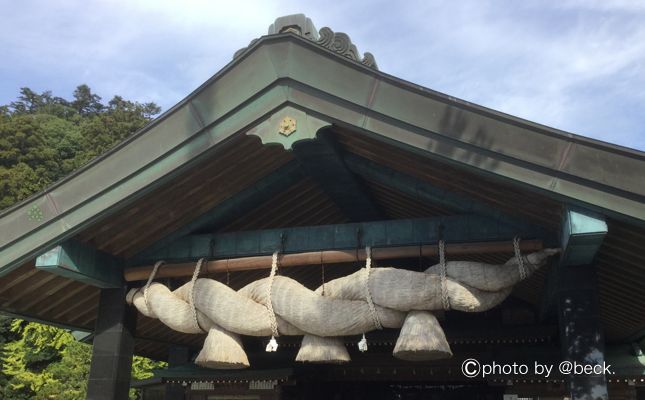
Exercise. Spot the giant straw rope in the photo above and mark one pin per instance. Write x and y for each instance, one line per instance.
(371, 298)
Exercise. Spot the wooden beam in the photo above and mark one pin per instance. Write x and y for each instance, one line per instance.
(327, 257)
(48, 304)
(52, 292)
(321, 159)
(27, 290)
(405, 232)
(422, 190)
(83, 263)
(238, 205)
(41, 320)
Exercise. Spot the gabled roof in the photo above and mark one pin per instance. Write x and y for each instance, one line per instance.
(221, 141)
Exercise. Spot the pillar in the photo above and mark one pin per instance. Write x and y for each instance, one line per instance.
(177, 355)
(581, 332)
(113, 347)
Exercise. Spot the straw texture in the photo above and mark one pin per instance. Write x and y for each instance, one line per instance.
(401, 299)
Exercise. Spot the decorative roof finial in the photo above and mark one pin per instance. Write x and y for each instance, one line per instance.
(296, 23)
(300, 25)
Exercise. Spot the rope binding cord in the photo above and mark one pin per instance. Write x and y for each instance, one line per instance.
(362, 345)
(444, 276)
(150, 278)
(273, 344)
(520, 260)
(191, 294)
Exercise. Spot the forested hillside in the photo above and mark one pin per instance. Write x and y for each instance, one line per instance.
(42, 139)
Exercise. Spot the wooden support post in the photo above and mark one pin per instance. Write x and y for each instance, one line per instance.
(177, 355)
(113, 347)
(574, 287)
(581, 332)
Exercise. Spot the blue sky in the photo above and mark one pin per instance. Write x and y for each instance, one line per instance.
(577, 65)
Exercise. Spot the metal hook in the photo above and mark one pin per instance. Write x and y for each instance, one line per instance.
(322, 270)
(359, 244)
(228, 273)
(440, 230)
(211, 249)
(283, 246)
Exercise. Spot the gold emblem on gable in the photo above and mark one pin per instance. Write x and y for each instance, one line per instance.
(287, 126)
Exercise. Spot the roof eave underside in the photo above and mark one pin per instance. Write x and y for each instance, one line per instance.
(286, 70)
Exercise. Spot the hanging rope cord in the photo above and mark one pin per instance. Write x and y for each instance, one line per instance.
(191, 290)
(272, 319)
(150, 278)
(191, 294)
(368, 294)
(445, 300)
(520, 260)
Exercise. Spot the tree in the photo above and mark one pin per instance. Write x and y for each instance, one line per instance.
(85, 102)
(46, 363)
(42, 139)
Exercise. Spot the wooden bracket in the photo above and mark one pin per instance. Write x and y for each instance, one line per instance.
(81, 262)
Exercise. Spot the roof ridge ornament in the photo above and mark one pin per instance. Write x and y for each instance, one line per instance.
(338, 42)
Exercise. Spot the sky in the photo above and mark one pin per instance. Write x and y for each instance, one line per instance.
(576, 65)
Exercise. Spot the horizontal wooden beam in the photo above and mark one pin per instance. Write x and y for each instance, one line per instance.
(327, 257)
(84, 263)
(406, 232)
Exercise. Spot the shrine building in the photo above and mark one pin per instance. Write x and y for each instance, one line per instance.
(305, 226)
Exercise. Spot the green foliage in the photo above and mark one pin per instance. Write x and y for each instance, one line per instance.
(45, 362)
(42, 139)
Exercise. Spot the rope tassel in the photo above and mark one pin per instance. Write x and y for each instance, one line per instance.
(362, 345)
(272, 345)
